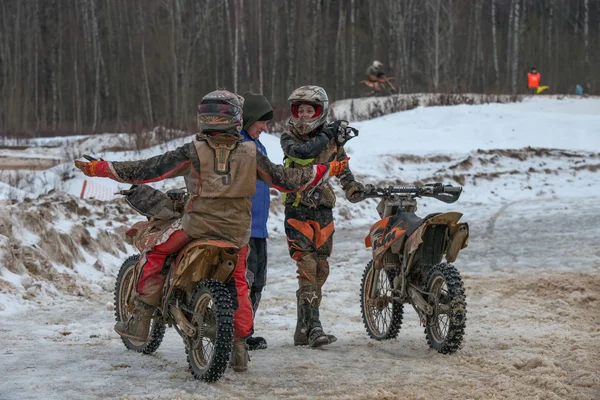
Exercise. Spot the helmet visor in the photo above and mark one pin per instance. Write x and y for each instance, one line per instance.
(318, 109)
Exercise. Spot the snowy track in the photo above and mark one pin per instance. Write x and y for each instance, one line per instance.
(532, 270)
(533, 328)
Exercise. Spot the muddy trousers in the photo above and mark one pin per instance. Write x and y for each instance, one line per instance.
(151, 281)
(309, 235)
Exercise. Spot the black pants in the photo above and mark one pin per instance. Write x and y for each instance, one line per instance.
(257, 269)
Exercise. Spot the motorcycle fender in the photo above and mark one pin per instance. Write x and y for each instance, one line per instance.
(459, 238)
(198, 263)
(205, 259)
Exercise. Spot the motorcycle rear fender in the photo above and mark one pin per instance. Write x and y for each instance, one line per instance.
(204, 259)
(457, 238)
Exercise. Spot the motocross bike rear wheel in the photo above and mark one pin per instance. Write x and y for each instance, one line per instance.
(381, 314)
(446, 327)
(212, 316)
(157, 329)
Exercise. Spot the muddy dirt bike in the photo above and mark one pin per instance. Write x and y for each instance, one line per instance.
(385, 88)
(407, 266)
(195, 301)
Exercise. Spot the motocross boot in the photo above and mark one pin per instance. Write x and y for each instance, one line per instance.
(137, 326)
(256, 343)
(239, 355)
(309, 309)
(300, 336)
(331, 337)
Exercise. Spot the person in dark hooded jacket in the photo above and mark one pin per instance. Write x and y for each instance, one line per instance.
(257, 112)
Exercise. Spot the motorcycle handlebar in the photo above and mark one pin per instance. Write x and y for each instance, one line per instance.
(447, 193)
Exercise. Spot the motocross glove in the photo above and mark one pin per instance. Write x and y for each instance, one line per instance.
(329, 131)
(95, 168)
(354, 191)
(336, 167)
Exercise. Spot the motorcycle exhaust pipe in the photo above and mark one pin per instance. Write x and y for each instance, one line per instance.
(224, 271)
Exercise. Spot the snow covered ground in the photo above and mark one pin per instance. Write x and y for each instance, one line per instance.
(532, 271)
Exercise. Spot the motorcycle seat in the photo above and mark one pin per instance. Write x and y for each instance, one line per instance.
(411, 222)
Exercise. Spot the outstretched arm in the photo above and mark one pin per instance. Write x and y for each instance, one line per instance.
(171, 164)
(295, 179)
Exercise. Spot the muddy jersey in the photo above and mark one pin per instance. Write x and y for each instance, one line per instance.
(315, 148)
(220, 174)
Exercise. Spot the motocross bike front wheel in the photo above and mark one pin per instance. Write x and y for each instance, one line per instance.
(212, 316)
(381, 314)
(157, 329)
(446, 327)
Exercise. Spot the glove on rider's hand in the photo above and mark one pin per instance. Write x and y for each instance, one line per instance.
(336, 167)
(329, 131)
(94, 168)
(355, 191)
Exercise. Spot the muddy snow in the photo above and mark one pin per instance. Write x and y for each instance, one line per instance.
(531, 272)
(533, 328)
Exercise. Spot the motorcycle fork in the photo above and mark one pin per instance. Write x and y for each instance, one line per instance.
(132, 285)
(374, 282)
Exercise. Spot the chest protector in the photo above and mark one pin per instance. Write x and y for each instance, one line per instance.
(323, 195)
(227, 167)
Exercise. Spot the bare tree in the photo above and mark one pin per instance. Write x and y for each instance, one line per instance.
(495, 47)
(84, 65)
(260, 49)
(515, 52)
(586, 30)
(149, 111)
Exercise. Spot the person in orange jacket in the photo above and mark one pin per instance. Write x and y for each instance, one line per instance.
(533, 79)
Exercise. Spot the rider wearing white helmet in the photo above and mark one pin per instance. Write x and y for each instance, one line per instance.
(308, 214)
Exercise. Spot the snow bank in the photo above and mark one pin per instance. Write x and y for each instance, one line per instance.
(59, 244)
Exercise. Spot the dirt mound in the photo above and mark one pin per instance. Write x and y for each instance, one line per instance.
(50, 244)
(576, 289)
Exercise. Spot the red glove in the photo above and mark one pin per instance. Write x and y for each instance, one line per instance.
(336, 167)
(95, 168)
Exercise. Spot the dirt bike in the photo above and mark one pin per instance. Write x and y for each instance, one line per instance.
(375, 88)
(195, 299)
(407, 266)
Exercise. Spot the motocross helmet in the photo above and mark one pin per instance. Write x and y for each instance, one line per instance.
(316, 97)
(220, 111)
(377, 64)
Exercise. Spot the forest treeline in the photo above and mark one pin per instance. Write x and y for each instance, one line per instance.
(70, 66)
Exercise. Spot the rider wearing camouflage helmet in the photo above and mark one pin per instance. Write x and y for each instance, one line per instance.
(308, 214)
